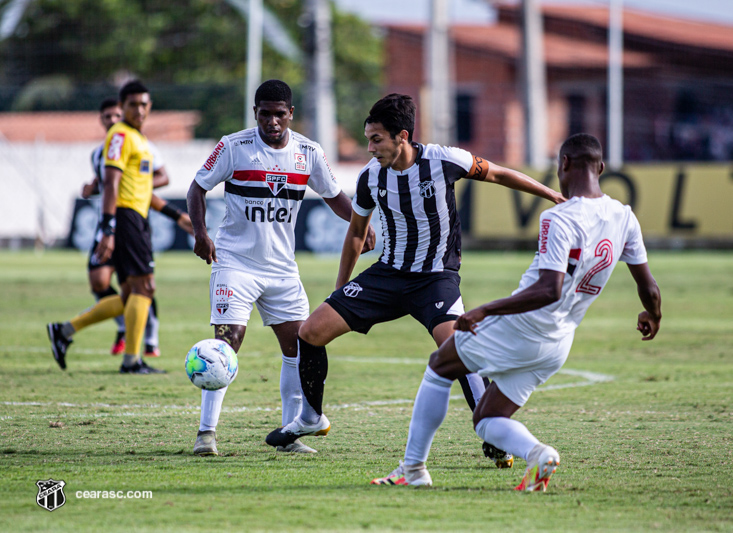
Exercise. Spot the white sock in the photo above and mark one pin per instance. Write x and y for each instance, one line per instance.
(290, 393)
(508, 435)
(478, 388)
(211, 401)
(151, 328)
(431, 406)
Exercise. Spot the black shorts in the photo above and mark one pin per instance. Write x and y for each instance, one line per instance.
(92, 263)
(382, 293)
(133, 253)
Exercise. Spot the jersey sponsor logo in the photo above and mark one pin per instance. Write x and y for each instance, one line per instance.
(300, 162)
(382, 192)
(243, 141)
(544, 232)
(307, 147)
(255, 211)
(255, 161)
(50, 494)
(145, 166)
(276, 182)
(222, 295)
(438, 305)
(214, 157)
(427, 189)
(330, 172)
(114, 152)
(352, 290)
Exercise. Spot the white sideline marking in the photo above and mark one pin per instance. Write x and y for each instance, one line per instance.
(591, 378)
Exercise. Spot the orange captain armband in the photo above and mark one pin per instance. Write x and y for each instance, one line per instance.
(479, 169)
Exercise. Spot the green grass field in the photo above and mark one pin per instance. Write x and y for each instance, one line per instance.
(644, 429)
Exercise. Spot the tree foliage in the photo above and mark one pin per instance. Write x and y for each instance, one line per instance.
(192, 54)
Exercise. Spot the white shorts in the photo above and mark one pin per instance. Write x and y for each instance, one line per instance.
(232, 293)
(518, 365)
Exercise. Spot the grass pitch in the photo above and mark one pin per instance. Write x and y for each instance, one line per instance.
(643, 429)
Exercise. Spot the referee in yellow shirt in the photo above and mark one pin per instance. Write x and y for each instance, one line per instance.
(128, 188)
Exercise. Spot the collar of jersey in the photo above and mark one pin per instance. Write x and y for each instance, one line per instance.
(266, 146)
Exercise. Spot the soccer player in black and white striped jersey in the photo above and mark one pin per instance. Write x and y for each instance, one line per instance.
(417, 274)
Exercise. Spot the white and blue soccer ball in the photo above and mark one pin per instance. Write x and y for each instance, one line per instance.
(211, 364)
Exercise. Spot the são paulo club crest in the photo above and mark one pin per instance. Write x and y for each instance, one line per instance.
(222, 295)
(427, 189)
(50, 494)
(276, 182)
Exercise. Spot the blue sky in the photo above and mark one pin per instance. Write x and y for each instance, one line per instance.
(720, 11)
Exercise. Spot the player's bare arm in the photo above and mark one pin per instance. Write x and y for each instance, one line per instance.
(160, 178)
(165, 208)
(649, 320)
(484, 170)
(203, 245)
(545, 291)
(356, 235)
(341, 205)
(106, 244)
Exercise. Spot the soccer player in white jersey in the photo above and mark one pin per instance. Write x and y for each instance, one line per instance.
(522, 340)
(417, 274)
(266, 170)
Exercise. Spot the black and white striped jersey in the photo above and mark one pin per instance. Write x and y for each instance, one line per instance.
(417, 207)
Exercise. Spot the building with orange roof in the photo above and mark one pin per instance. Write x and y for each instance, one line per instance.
(678, 82)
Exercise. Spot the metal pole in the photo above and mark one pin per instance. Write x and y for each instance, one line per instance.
(615, 84)
(440, 90)
(535, 85)
(254, 60)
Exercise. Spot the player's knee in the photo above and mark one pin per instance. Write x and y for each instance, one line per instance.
(98, 286)
(309, 333)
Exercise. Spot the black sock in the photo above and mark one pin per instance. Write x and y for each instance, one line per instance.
(109, 291)
(313, 371)
(463, 380)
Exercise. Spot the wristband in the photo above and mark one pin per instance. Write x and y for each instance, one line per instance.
(108, 224)
(171, 212)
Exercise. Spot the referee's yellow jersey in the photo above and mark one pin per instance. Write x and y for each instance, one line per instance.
(128, 150)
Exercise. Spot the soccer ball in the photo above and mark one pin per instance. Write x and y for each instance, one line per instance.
(211, 364)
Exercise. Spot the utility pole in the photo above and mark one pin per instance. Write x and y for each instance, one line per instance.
(615, 84)
(440, 116)
(254, 60)
(534, 85)
(320, 101)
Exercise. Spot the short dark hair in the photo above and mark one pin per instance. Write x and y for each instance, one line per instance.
(582, 149)
(107, 103)
(274, 91)
(396, 112)
(132, 87)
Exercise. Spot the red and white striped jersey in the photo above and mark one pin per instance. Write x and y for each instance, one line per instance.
(263, 189)
(585, 238)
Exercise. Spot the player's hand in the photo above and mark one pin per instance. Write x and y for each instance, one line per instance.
(88, 189)
(648, 325)
(469, 321)
(371, 240)
(559, 198)
(185, 223)
(204, 248)
(103, 251)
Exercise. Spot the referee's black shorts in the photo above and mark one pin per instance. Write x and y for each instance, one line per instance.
(133, 253)
(382, 293)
